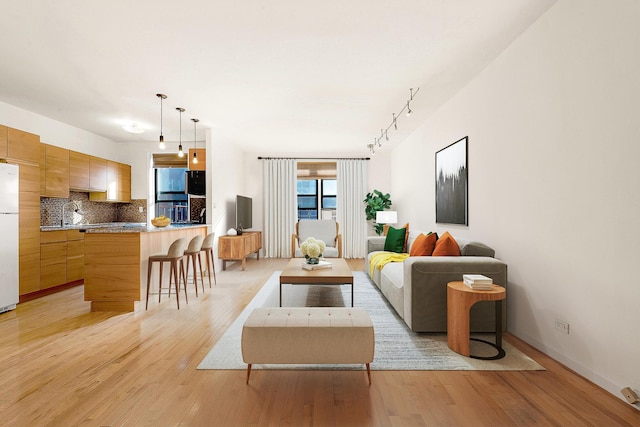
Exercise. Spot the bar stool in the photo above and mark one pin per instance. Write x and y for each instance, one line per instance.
(174, 255)
(207, 247)
(191, 252)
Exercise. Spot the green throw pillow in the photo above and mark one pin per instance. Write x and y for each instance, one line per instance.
(395, 240)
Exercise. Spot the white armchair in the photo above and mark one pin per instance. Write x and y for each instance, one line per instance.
(326, 230)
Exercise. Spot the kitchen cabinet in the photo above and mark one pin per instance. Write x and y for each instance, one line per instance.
(54, 171)
(79, 171)
(75, 255)
(53, 258)
(202, 159)
(29, 228)
(118, 184)
(3, 141)
(97, 174)
(23, 146)
(124, 179)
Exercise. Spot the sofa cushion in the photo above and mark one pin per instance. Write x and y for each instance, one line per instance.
(395, 240)
(477, 249)
(446, 246)
(424, 245)
(385, 229)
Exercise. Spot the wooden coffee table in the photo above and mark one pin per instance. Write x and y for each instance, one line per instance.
(338, 274)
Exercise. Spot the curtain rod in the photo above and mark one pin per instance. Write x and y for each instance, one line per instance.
(313, 158)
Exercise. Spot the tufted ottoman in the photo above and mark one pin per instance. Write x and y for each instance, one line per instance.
(309, 335)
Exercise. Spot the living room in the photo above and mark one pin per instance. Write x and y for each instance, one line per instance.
(552, 188)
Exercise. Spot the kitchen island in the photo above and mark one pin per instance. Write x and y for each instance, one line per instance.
(116, 262)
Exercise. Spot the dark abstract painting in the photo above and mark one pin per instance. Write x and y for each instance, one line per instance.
(451, 184)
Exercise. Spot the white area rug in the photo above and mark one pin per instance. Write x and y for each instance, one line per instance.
(397, 347)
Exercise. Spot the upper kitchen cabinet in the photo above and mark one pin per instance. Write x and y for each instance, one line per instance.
(55, 170)
(97, 174)
(3, 141)
(118, 184)
(23, 146)
(201, 154)
(79, 171)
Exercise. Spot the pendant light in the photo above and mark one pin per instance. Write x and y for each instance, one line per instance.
(161, 96)
(180, 152)
(195, 154)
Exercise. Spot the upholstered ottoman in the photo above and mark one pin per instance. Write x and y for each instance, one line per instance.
(310, 335)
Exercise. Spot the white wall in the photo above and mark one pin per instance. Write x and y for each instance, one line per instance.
(57, 133)
(554, 183)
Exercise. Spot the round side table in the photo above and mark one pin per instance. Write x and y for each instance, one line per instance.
(460, 298)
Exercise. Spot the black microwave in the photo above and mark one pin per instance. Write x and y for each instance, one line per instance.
(196, 183)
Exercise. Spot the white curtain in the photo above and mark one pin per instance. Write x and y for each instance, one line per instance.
(352, 189)
(280, 206)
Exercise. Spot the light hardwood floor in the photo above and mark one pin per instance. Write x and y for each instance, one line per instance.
(63, 365)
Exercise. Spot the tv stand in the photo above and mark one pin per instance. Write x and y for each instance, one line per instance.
(237, 248)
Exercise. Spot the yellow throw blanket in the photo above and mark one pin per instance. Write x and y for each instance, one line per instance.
(380, 260)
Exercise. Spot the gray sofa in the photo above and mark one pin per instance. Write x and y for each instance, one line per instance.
(417, 287)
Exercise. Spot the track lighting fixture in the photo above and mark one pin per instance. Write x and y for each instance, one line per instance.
(180, 152)
(384, 133)
(161, 144)
(195, 154)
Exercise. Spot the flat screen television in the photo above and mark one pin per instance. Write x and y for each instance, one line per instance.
(244, 213)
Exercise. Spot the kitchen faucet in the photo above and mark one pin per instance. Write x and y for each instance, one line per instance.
(77, 209)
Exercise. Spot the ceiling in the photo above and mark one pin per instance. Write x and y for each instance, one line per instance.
(269, 76)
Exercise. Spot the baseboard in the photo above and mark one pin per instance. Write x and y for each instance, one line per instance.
(607, 385)
(44, 292)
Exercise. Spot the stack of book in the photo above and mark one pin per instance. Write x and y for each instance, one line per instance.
(318, 266)
(477, 281)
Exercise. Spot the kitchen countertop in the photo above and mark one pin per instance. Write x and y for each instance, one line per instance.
(119, 227)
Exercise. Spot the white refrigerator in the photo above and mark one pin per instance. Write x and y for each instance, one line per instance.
(8, 237)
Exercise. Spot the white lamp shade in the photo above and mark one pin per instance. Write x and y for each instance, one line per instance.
(386, 217)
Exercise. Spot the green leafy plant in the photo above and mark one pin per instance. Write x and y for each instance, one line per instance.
(376, 201)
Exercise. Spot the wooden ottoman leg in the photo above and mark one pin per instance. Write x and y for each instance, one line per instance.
(369, 373)
(248, 372)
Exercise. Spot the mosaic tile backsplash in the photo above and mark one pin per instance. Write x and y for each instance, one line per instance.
(78, 209)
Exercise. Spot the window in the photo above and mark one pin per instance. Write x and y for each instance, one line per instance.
(316, 195)
(171, 199)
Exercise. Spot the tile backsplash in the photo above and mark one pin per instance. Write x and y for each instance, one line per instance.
(79, 209)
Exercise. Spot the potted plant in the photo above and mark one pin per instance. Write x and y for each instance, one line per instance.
(376, 201)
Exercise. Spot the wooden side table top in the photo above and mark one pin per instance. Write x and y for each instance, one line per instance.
(497, 292)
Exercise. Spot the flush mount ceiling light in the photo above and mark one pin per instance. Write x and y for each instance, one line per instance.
(384, 133)
(132, 128)
(195, 154)
(180, 152)
(161, 144)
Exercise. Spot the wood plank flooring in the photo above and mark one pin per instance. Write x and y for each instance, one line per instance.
(65, 366)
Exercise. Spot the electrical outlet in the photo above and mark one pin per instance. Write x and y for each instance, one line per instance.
(562, 326)
(140, 209)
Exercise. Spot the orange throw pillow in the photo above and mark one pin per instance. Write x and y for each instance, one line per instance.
(423, 245)
(446, 246)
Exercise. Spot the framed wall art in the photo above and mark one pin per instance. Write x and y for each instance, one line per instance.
(452, 189)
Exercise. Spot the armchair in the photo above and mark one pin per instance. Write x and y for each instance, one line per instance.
(326, 230)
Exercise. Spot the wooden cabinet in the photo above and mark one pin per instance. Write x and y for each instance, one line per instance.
(54, 171)
(79, 171)
(75, 255)
(53, 258)
(61, 257)
(29, 229)
(202, 159)
(124, 182)
(97, 174)
(23, 146)
(3, 141)
(237, 248)
(118, 184)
